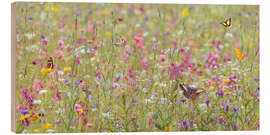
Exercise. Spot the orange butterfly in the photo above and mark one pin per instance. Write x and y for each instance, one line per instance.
(190, 92)
(227, 23)
(50, 63)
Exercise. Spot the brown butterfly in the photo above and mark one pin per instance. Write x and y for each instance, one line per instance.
(50, 63)
(190, 92)
(227, 23)
(120, 41)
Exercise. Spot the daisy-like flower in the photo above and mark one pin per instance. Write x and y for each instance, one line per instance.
(42, 92)
(105, 12)
(47, 126)
(185, 12)
(67, 69)
(168, 129)
(36, 130)
(46, 71)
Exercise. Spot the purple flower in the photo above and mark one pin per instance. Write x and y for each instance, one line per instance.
(226, 107)
(90, 98)
(184, 122)
(121, 126)
(187, 125)
(213, 119)
(30, 18)
(247, 119)
(79, 82)
(42, 36)
(24, 112)
(220, 92)
(57, 121)
(256, 79)
(221, 120)
(235, 126)
(236, 109)
(66, 81)
(207, 101)
(134, 100)
(138, 124)
(183, 100)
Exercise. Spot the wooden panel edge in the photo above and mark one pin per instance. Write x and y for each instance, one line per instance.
(13, 67)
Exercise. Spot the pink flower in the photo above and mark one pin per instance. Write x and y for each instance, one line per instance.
(140, 45)
(60, 42)
(162, 59)
(89, 41)
(77, 108)
(44, 42)
(139, 40)
(90, 125)
(63, 47)
(150, 120)
(174, 42)
(58, 54)
(127, 47)
(78, 59)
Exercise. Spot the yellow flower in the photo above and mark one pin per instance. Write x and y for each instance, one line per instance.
(27, 116)
(212, 82)
(67, 69)
(55, 9)
(226, 80)
(108, 34)
(151, 23)
(47, 126)
(239, 54)
(33, 118)
(92, 58)
(81, 111)
(22, 118)
(36, 130)
(206, 35)
(185, 12)
(226, 91)
(46, 71)
(105, 12)
(251, 45)
(168, 129)
(47, 9)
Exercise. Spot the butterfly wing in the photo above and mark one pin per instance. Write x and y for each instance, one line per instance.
(50, 63)
(227, 23)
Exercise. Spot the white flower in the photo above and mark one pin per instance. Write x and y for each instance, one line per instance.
(163, 100)
(60, 72)
(42, 92)
(105, 115)
(229, 35)
(37, 102)
(50, 130)
(147, 101)
(202, 106)
(162, 85)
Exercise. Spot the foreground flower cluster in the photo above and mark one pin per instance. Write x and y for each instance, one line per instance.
(116, 67)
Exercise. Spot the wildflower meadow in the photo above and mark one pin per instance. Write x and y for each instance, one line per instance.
(102, 67)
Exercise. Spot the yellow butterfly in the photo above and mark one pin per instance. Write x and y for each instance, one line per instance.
(227, 23)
